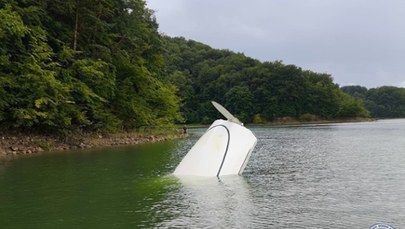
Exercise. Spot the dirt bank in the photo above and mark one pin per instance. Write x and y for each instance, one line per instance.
(16, 144)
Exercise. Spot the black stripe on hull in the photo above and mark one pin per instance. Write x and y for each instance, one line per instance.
(227, 146)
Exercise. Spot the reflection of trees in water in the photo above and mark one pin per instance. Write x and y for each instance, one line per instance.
(4, 162)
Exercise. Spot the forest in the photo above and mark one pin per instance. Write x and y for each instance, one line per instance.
(382, 102)
(93, 65)
(103, 65)
(254, 91)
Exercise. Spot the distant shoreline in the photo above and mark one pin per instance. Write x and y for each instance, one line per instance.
(288, 121)
(15, 145)
(292, 121)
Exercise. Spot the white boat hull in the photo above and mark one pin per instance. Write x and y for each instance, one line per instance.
(224, 149)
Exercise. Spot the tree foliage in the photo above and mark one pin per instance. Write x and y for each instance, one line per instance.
(382, 102)
(102, 65)
(252, 90)
(82, 64)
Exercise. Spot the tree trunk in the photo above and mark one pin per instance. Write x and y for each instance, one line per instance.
(76, 31)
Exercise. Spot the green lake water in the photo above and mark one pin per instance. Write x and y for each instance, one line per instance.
(108, 188)
(315, 176)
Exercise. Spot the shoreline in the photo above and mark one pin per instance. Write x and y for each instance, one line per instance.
(296, 122)
(290, 121)
(15, 145)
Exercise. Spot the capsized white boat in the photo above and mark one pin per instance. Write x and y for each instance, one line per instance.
(224, 149)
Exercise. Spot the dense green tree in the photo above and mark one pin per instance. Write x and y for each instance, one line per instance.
(30, 95)
(382, 102)
(251, 89)
(355, 91)
(386, 102)
(82, 64)
(240, 99)
(102, 65)
(351, 107)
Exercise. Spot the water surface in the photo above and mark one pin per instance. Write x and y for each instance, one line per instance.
(317, 176)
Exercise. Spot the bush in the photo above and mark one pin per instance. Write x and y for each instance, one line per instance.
(259, 119)
(308, 117)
